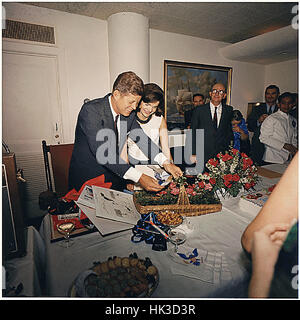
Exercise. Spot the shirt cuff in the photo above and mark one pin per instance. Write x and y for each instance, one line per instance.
(132, 174)
(160, 158)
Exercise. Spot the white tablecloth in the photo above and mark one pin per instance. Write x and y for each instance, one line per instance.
(30, 269)
(218, 234)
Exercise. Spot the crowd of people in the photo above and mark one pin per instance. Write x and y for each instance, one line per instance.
(127, 127)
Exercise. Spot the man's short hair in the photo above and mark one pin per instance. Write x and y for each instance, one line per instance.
(285, 95)
(154, 93)
(272, 86)
(129, 82)
(198, 95)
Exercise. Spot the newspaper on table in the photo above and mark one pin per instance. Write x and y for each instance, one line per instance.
(87, 197)
(104, 226)
(115, 205)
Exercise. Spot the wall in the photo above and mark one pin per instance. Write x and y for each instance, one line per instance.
(82, 46)
(284, 75)
(82, 43)
(247, 78)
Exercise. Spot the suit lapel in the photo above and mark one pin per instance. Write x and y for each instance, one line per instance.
(223, 116)
(208, 115)
(107, 116)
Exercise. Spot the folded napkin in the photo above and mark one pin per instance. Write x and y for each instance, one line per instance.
(200, 264)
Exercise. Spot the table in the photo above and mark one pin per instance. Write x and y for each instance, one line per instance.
(28, 270)
(218, 233)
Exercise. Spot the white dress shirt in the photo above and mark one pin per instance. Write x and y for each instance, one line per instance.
(132, 173)
(276, 130)
(219, 111)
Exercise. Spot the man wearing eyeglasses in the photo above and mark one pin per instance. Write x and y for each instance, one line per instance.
(215, 118)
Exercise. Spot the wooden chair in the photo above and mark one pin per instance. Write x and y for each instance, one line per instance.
(57, 162)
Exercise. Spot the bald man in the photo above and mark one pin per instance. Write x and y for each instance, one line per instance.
(215, 118)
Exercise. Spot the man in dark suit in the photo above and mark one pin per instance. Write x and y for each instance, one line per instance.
(198, 100)
(215, 119)
(257, 117)
(101, 136)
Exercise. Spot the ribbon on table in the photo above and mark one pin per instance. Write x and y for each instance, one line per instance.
(143, 231)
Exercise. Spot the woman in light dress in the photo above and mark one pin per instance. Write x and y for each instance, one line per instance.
(150, 117)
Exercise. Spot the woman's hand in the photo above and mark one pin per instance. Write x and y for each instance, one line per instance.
(172, 169)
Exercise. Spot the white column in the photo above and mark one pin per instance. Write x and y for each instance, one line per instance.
(128, 44)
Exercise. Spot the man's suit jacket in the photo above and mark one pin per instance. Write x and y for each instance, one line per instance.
(215, 140)
(94, 116)
(257, 148)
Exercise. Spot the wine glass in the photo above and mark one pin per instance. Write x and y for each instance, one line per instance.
(65, 228)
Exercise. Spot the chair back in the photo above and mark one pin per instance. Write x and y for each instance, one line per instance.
(57, 162)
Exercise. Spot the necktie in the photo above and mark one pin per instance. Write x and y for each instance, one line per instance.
(116, 128)
(270, 110)
(215, 119)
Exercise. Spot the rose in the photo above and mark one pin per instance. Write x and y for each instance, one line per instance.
(228, 184)
(162, 192)
(212, 181)
(213, 162)
(227, 157)
(201, 184)
(208, 186)
(247, 163)
(235, 151)
(175, 191)
(235, 177)
(244, 155)
(227, 177)
(247, 186)
(172, 185)
(189, 190)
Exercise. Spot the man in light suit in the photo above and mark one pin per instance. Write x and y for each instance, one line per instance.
(101, 135)
(279, 133)
(257, 117)
(215, 119)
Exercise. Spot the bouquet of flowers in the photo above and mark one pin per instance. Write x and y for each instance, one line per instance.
(229, 173)
(170, 195)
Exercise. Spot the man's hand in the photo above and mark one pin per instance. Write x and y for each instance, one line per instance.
(290, 148)
(130, 186)
(262, 118)
(193, 159)
(149, 183)
(172, 169)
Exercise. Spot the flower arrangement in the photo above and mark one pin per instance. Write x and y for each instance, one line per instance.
(169, 195)
(229, 173)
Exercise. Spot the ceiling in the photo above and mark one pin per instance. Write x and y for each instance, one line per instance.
(230, 22)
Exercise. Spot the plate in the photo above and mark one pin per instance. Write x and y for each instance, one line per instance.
(117, 278)
(169, 218)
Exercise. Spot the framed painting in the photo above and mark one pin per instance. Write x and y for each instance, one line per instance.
(182, 80)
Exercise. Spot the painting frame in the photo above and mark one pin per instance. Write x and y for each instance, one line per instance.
(182, 80)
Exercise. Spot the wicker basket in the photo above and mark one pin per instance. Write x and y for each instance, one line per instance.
(182, 206)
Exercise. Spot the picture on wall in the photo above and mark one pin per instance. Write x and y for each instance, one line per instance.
(182, 80)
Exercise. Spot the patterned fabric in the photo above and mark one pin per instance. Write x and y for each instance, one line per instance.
(237, 135)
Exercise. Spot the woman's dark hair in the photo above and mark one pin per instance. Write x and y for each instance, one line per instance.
(153, 93)
(236, 115)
